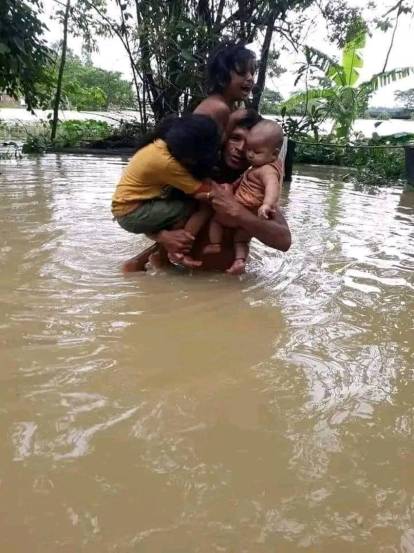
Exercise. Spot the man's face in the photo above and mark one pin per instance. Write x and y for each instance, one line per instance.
(234, 150)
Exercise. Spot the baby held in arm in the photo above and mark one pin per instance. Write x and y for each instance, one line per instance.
(258, 190)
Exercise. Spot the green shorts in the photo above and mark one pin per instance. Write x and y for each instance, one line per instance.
(158, 214)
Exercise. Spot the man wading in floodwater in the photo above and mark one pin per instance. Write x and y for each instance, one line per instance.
(273, 232)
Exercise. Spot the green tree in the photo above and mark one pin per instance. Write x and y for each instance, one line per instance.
(339, 94)
(77, 19)
(65, 14)
(24, 56)
(88, 87)
(167, 43)
(270, 102)
(406, 98)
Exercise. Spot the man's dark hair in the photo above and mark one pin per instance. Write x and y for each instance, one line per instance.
(193, 140)
(225, 58)
(249, 120)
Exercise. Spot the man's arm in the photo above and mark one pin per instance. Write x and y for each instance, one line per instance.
(273, 232)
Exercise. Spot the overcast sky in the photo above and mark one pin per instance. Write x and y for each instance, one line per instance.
(111, 55)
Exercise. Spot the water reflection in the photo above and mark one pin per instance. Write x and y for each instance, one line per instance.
(198, 412)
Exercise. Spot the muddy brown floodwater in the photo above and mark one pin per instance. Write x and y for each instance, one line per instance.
(170, 413)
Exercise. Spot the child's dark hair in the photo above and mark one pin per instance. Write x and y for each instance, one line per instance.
(225, 58)
(192, 139)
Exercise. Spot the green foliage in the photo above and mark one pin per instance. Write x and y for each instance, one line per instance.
(406, 98)
(373, 165)
(352, 60)
(83, 98)
(24, 56)
(70, 133)
(270, 102)
(384, 79)
(86, 87)
(381, 115)
(15, 130)
(388, 19)
(343, 21)
(168, 43)
(340, 97)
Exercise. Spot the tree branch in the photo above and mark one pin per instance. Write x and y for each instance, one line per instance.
(393, 36)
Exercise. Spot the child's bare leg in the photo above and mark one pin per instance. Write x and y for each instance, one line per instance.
(193, 226)
(241, 250)
(160, 257)
(215, 234)
(198, 219)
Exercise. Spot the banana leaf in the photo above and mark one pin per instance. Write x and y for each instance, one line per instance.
(352, 60)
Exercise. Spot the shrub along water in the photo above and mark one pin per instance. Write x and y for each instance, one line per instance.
(371, 164)
(70, 134)
(378, 160)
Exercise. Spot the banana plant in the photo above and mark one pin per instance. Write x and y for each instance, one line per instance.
(340, 95)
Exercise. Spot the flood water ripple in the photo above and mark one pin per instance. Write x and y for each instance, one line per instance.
(201, 413)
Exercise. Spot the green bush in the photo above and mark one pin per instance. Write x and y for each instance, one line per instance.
(374, 163)
(70, 134)
(18, 130)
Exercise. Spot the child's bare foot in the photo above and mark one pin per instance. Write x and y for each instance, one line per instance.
(190, 262)
(212, 248)
(238, 267)
(184, 260)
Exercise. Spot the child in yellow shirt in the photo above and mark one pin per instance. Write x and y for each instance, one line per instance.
(170, 164)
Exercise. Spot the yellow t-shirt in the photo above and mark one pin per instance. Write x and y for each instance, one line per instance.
(151, 170)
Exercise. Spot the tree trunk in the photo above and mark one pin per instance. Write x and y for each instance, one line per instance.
(172, 92)
(153, 92)
(60, 74)
(264, 56)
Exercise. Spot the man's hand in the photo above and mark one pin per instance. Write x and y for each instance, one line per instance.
(266, 211)
(227, 208)
(176, 242)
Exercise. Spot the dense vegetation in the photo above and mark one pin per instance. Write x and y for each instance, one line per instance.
(167, 45)
(375, 160)
(340, 96)
(86, 87)
(24, 56)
